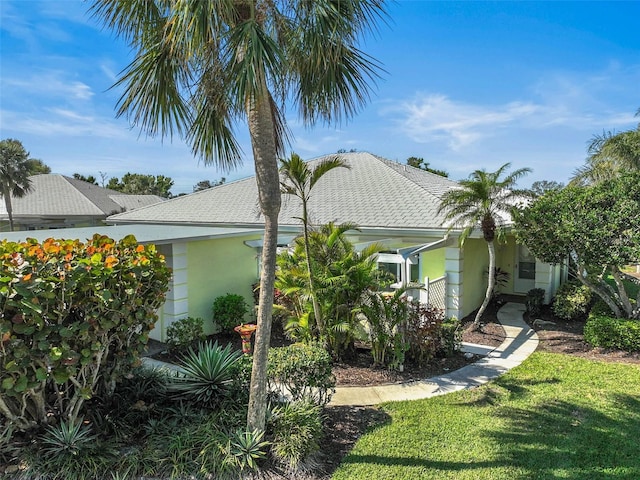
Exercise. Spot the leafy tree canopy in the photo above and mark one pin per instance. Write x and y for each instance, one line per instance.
(540, 187)
(597, 227)
(422, 165)
(89, 179)
(138, 184)
(205, 184)
(37, 166)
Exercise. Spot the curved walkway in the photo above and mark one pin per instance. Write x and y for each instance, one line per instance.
(520, 342)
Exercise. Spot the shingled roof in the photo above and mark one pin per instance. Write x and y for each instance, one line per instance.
(373, 193)
(54, 195)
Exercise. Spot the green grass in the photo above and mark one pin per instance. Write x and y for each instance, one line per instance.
(554, 417)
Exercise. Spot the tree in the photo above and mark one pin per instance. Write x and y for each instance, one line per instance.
(89, 179)
(484, 201)
(37, 166)
(138, 184)
(202, 67)
(14, 173)
(595, 227)
(609, 155)
(422, 165)
(343, 277)
(298, 180)
(540, 187)
(206, 184)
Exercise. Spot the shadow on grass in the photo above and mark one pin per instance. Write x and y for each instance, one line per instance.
(556, 440)
(504, 389)
(580, 441)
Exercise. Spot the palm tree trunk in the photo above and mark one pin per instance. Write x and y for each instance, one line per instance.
(490, 284)
(6, 193)
(261, 129)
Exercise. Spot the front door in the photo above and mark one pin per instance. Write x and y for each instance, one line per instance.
(524, 278)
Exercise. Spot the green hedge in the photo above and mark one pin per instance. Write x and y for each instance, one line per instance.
(302, 372)
(573, 301)
(608, 332)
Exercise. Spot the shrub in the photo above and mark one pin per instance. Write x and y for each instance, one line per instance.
(69, 451)
(534, 301)
(229, 311)
(423, 323)
(387, 317)
(450, 338)
(296, 429)
(572, 301)
(608, 332)
(74, 318)
(301, 371)
(600, 308)
(184, 333)
(206, 374)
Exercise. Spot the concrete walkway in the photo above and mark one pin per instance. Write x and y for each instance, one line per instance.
(520, 342)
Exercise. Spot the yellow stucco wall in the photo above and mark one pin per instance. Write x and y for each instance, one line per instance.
(217, 267)
(432, 264)
(474, 283)
(505, 259)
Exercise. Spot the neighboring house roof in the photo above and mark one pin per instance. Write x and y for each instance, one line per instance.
(373, 193)
(54, 195)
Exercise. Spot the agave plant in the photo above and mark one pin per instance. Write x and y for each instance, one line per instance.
(206, 374)
(246, 447)
(67, 439)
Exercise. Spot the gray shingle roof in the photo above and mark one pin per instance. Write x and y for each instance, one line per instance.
(55, 195)
(373, 193)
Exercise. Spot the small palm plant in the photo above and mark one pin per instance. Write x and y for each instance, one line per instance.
(206, 375)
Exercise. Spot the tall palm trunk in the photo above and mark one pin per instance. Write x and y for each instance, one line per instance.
(263, 142)
(490, 283)
(6, 193)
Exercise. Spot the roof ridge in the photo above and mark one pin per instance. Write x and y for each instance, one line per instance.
(399, 168)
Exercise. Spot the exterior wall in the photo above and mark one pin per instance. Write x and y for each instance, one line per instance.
(432, 263)
(454, 265)
(505, 259)
(476, 261)
(549, 278)
(176, 305)
(217, 267)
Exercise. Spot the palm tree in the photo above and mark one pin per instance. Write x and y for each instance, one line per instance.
(610, 154)
(484, 200)
(298, 181)
(14, 173)
(201, 68)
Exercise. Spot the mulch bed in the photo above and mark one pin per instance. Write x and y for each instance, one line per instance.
(345, 424)
(562, 336)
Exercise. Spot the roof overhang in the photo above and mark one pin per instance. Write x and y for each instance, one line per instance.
(157, 234)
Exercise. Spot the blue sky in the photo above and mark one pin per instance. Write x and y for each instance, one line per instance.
(468, 85)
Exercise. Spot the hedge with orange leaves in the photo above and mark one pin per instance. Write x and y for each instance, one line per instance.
(74, 318)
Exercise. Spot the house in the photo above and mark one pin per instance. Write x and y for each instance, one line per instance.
(58, 201)
(393, 204)
(212, 239)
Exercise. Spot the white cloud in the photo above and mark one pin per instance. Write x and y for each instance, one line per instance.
(60, 123)
(52, 84)
(436, 117)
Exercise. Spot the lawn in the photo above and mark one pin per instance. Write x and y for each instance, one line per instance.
(555, 416)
